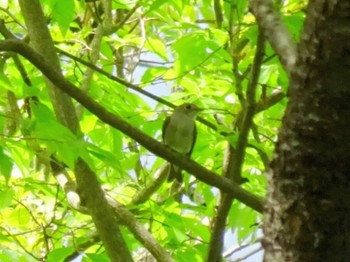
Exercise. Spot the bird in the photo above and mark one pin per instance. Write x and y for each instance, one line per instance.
(179, 133)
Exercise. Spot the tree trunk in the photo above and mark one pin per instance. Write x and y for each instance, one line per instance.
(308, 205)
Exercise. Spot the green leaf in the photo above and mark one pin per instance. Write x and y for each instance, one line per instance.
(5, 83)
(268, 75)
(59, 254)
(57, 137)
(6, 258)
(63, 13)
(6, 165)
(188, 254)
(6, 197)
(105, 156)
(8, 255)
(95, 257)
(156, 4)
(19, 217)
(157, 46)
(153, 73)
(294, 23)
(191, 51)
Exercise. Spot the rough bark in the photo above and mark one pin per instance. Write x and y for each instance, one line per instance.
(308, 205)
(275, 31)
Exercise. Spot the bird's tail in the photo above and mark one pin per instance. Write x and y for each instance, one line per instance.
(175, 173)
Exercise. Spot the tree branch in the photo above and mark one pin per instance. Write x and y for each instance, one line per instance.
(101, 213)
(234, 169)
(145, 193)
(115, 121)
(143, 235)
(262, 105)
(275, 32)
(90, 188)
(124, 216)
(131, 86)
(126, 18)
(218, 13)
(116, 79)
(95, 46)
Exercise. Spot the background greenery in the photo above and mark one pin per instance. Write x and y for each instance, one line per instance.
(180, 50)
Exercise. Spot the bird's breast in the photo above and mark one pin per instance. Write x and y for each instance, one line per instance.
(179, 134)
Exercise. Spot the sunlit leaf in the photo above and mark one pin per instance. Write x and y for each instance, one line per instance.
(157, 46)
(63, 13)
(156, 4)
(6, 197)
(59, 254)
(6, 164)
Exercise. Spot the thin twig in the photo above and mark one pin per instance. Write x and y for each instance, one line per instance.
(19, 243)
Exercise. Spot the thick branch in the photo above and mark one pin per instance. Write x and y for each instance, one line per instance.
(115, 121)
(125, 217)
(275, 32)
(90, 188)
(101, 213)
(41, 40)
(138, 230)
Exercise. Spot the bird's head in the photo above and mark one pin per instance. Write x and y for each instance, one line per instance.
(188, 109)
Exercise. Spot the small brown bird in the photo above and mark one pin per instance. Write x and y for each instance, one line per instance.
(180, 133)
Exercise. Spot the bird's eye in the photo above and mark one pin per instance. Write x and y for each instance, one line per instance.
(189, 107)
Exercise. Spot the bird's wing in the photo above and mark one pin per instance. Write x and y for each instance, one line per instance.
(194, 134)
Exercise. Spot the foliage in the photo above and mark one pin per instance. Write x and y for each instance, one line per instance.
(174, 49)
